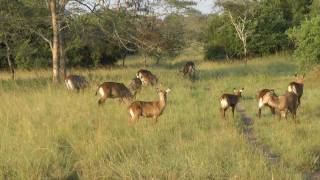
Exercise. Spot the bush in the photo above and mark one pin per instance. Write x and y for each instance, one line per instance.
(268, 30)
(221, 39)
(23, 57)
(214, 53)
(307, 42)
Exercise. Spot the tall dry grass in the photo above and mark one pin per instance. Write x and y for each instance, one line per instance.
(48, 132)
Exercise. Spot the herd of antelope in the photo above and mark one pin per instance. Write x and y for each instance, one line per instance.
(288, 102)
(281, 105)
(106, 90)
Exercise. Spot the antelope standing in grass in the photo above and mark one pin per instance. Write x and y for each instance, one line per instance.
(147, 77)
(297, 86)
(261, 95)
(189, 69)
(75, 82)
(113, 90)
(283, 104)
(230, 100)
(135, 86)
(152, 109)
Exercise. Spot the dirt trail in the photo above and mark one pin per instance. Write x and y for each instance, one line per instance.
(252, 138)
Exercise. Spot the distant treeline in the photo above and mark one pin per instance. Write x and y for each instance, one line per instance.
(95, 35)
(270, 26)
(90, 34)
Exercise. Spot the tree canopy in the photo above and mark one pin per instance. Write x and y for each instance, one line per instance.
(98, 33)
(261, 26)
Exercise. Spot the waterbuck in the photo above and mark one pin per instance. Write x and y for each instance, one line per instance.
(189, 69)
(230, 100)
(283, 104)
(151, 109)
(75, 82)
(135, 86)
(297, 86)
(113, 90)
(147, 77)
(260, 97)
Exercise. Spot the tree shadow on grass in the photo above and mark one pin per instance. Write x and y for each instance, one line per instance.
(9, 85)
(175, 66)
(239, 70)
(271, 69)
(163, 65)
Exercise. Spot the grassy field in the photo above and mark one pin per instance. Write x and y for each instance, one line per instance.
(48, 132)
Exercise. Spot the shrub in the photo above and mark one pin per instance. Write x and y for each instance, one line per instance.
(307, 42)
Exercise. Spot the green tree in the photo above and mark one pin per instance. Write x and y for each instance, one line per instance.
(307, 41)
(315, 8)
(221, 41)
(240, 14)
(11, 26)
(268, 29)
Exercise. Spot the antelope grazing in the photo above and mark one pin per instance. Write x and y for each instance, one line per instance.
(113, 90)
(230, 100)
(135, 86)
(189, 69)
(297, 86)
(283, 104)
(261, 95)
(147, 77)
(77, 82)
(148, 109)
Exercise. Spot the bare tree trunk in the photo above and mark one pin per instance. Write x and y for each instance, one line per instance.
(63, 68)
(61, 39)
(242, 32)
(118, 5)
(126, 4)
(245, 51)
(123, 59)
(55, 42)
(9, 60)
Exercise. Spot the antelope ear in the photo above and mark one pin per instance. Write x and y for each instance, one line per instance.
(157, 89)
(303, 75)
(168, 90)
(296, 74)
(234, 90)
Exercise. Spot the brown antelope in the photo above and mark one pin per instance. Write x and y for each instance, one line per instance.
(113, 90)
(135, 86)
(152, 109)
(297, 86)
(260, 97)
(147, 77)
(230, 100)
(189, 69)
(283, 104)
(77, 82)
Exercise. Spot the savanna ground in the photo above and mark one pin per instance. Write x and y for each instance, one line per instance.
(48, 132)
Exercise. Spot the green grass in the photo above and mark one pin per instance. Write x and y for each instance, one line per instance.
(48, 132)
